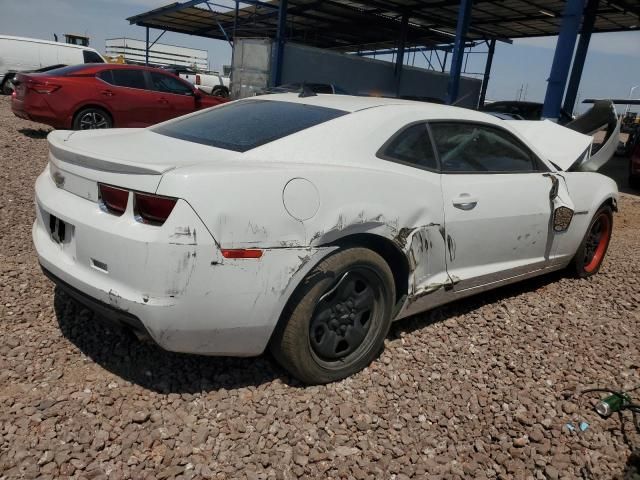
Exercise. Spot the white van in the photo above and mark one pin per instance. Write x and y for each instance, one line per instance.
(19, 54)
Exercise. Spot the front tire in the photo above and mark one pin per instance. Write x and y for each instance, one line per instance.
(593, 248)
(92, 118)
(337, 320)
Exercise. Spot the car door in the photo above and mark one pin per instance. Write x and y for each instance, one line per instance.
(175, 97)
(497, 205)
(411, 152)
(126, 94)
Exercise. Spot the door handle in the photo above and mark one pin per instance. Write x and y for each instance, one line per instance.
(465, 202)
(163, 100)
(107, 93)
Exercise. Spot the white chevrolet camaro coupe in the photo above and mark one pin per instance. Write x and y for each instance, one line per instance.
(307, 224)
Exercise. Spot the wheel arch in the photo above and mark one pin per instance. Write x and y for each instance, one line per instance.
(386, 248)
(610, 201)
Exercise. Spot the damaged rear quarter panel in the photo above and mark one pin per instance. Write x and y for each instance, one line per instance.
(243, 208)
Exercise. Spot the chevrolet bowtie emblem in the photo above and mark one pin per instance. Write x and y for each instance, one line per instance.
(58, 179)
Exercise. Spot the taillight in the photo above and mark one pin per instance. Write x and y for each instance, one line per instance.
(112, 199)
(197, 79)
(43, 87)
(153, 209)
(241, 253)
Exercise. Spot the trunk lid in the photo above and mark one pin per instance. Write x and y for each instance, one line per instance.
(554, 142)
(571, 147)
(134, 159)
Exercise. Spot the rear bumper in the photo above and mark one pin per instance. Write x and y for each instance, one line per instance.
(167, 282)
(105, 312)
(38, 110)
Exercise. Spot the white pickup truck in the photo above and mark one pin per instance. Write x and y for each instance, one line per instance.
(211, 83)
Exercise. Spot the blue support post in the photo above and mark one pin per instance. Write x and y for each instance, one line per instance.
(281, 38)
(404, 27)
(487, 72)
(464, 19)
(569, 29)
(146, 50)
(581, 55)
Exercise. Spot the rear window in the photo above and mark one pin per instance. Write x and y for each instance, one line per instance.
(64, 71)
(244, 125)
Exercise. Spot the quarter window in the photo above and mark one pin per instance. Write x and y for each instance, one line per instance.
(467, 147)
(168, 84)
(413, 146)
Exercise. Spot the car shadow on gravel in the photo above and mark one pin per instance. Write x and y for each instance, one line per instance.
(466, 305)
(147, 365)
(37, 133)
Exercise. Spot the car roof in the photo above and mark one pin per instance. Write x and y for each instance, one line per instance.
(352, 103)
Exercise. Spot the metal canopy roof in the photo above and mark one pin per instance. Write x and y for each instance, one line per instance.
(347, 25)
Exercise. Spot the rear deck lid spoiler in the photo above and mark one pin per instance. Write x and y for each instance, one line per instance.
(135, 151)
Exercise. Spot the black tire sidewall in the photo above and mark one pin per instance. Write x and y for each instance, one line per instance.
(290, 344)
(578, 261)
(220, 92)
(5, 83)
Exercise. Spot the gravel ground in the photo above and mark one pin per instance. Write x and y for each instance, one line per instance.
(479, 389)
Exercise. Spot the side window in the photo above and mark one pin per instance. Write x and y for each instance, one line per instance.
(91, 57)
(413, 146)
(468, 147)
(128, 78)
(168, 84)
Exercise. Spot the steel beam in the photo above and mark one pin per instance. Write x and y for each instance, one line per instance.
(464, 19)
(146, 48)
(588, 23)
(163, 11)
(569, 29)
(487, 72)
(281, 38)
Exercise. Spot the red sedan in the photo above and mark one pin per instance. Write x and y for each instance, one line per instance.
(90, 96)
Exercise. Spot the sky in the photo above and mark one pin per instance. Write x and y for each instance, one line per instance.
(519, 69)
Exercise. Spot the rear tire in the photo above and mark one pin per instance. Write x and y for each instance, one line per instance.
(336, 321)
(593, 248)
(7, 87)
(220, 92)
(91, 118)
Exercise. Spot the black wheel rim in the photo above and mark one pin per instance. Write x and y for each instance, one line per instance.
(93, 120)
(345, 315)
